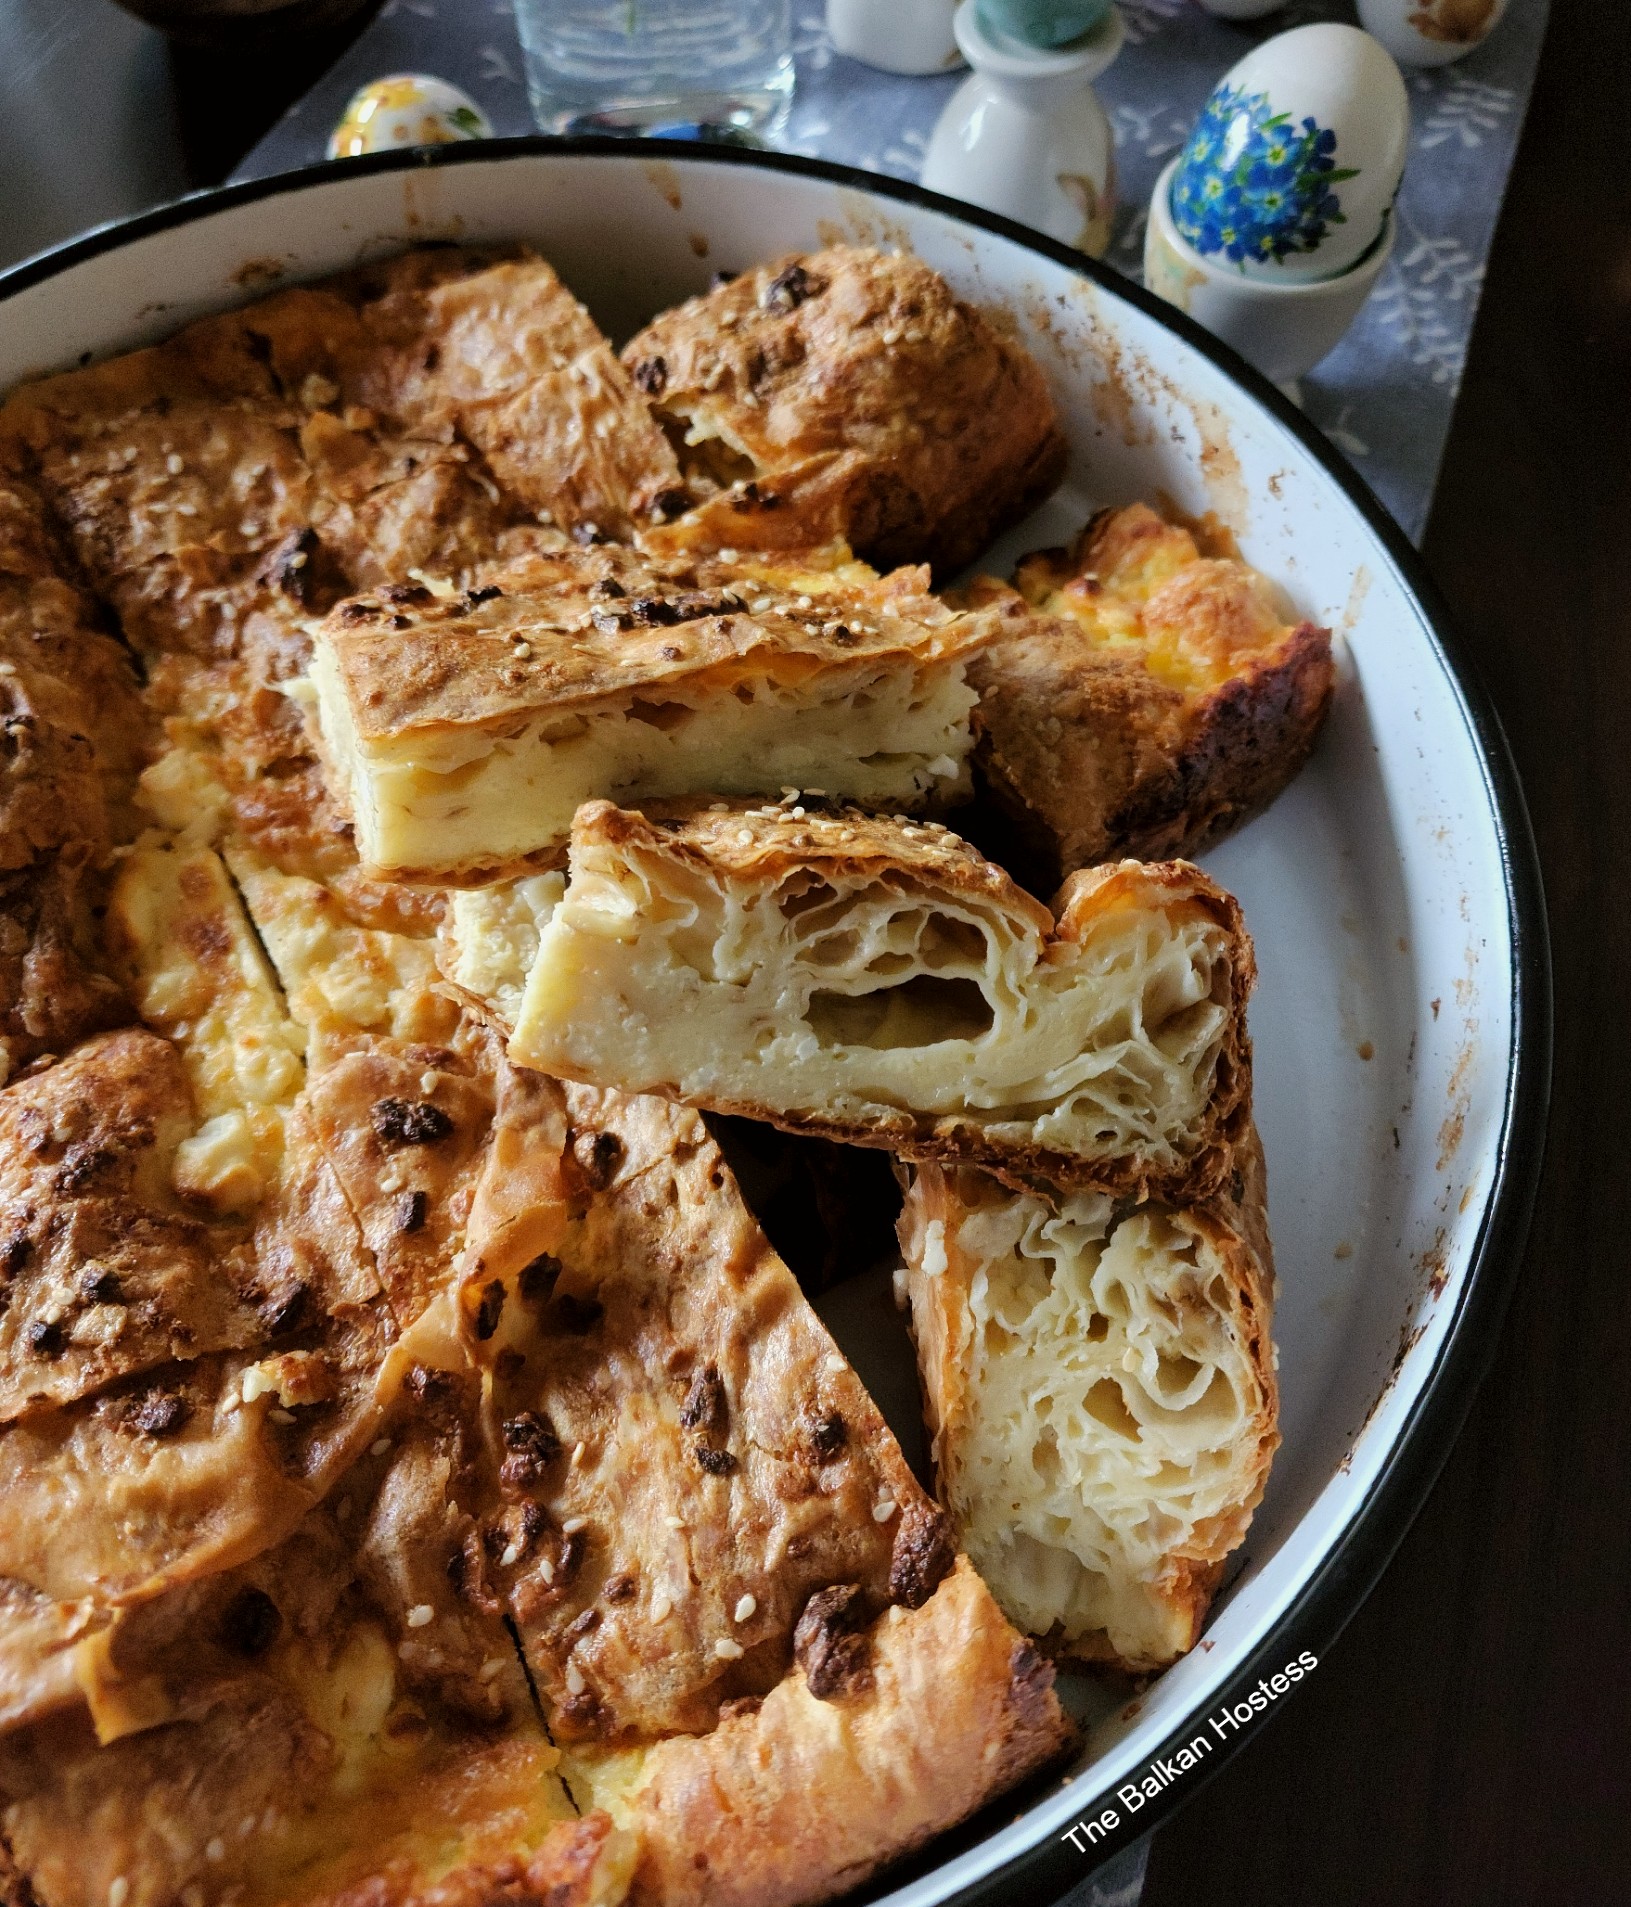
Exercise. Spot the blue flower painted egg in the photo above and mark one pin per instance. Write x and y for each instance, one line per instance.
(1291, 170)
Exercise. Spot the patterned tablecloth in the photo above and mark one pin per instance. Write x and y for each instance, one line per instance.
(1384, 396)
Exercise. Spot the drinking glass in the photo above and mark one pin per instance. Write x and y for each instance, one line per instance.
(693, 68)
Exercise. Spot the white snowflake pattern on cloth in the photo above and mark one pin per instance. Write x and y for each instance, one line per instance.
(812, 43)
(1467, 110)
(1126, 252)
(1343, 437)
(496, 64)
(1144, 19)
(907, 154)
(1427, 298)
(1152, 130)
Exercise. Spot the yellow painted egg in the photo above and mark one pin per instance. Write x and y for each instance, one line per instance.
(406, 109)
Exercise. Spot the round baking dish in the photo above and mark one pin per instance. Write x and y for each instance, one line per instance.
(1402, 1025)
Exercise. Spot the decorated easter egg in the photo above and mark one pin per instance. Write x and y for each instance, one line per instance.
(1430, 32)
(1291, 170)
(406, 109)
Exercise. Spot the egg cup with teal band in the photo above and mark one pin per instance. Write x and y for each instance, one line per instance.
(1025, 134)
(1046, 23)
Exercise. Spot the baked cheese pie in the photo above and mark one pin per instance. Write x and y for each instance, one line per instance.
(846, 396)
(877, 980)
(421, 1482)
(1156, 697)
(1100, 1385)
(465, 730)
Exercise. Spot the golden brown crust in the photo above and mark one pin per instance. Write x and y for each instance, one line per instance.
(403, 1132)
(1153, 701)
(847, 395)
(803, 1799)
(566, 629)
(731, 1464)
(336, 437)
(105, 1275)
(71, 734)
(581, 1864)
(759, 843)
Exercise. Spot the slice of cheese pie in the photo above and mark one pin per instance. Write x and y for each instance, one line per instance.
(1156, 697)
(465, 730)
(878, 981)
(1100, 1386)
(734, 1598)
(847, 396)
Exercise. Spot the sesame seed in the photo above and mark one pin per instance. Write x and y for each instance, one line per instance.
(883, 1509)
(804, 602)
(728, 1651)
(675, 1522)
(174, 465)
(281, 1416)
(427, 1082)
(494, 1665)
(256, 1384)
(575, 1683)
(745, 1608)
(246, 1827)
(118, 1891)
(727, 556)
(421, 1612)
(512, 1554)
(215, 1850)
(573, 1524)
(662, 1606)
(186, 509)
(523, 651)
(379, 1446)
(577, 1454)
(546, 1569)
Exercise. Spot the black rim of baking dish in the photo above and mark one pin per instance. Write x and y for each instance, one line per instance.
(1051, 1865)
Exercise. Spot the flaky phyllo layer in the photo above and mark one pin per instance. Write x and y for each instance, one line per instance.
(465, 730)
(1102, 1393)
(880, 981)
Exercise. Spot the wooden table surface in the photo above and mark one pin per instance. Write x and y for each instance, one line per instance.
(1464, 1743)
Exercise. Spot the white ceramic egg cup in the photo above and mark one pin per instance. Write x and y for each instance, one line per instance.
(1025, 135)
(1282, 329)
(907, 36)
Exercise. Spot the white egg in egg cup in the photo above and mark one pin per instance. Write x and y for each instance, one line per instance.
(1282, 329)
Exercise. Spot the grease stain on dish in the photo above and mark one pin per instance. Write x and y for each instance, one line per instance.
(665, 181)
(260, 274)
